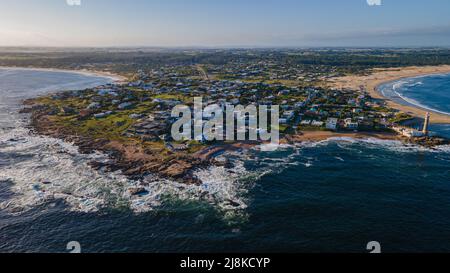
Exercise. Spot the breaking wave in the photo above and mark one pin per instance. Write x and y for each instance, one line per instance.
(43, 169)
(396, 90)
(420, 105)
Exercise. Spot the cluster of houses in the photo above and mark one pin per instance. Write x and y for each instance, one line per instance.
(153, 127)
(272, 70)
(149, 99)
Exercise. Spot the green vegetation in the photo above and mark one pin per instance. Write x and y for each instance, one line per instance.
(400, 117)
(314, 61)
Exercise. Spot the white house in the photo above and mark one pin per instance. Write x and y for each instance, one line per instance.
(317, 123)
(306, 122)
(349, 124)
(331, 123)
(288, 115)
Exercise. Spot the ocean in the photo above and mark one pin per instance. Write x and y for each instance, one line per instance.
(431, 93)
(330, 196)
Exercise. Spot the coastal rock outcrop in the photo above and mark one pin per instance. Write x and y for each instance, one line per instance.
(131, 157)
(429, 142)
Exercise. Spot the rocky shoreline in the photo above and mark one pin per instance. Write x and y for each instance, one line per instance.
(427, 142)
(136, 161)
(131, 158)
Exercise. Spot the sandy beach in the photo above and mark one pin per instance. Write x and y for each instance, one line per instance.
(381, 76)
(314, 136)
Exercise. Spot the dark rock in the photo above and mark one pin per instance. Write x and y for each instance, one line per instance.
(233, 203)
(429, 142)
(138, 191)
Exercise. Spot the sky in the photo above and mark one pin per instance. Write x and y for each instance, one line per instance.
(224, 23)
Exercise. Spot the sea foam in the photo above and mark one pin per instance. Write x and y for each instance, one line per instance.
(43, 169)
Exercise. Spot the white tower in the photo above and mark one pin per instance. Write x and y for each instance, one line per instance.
(426, 124)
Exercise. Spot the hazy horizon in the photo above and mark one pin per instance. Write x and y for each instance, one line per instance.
(224, 23)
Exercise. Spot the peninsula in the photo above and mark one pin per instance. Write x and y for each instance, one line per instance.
(131, 121)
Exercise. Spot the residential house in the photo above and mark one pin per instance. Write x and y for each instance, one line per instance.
(331, 124)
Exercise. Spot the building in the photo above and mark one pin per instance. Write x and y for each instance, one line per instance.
(288, 115)
(349, 124)
(317, 123)
(305, 122)
(331, 124)
(408, 132)
(426, 124)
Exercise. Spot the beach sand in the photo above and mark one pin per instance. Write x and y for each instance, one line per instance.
(314, 136)
(380, 76)
(212, 151)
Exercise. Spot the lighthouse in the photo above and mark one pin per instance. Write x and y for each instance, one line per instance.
(426, 124)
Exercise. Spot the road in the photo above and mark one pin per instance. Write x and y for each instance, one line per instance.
(203, 72)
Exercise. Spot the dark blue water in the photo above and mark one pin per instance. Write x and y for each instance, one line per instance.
(330, 197)
(431, 93)
(340, 196)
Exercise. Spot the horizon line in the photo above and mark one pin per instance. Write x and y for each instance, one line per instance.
(222, 47)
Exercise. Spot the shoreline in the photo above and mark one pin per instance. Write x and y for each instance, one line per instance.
(405, 101)
(316, 136)
(379, 77)
(136, 160)
(115, 77)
